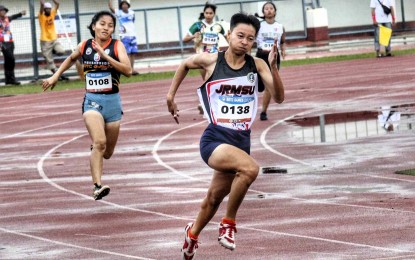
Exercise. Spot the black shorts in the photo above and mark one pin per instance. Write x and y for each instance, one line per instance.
(215, 135)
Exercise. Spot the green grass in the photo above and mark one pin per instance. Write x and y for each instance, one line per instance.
(406, 172)
(77, 84)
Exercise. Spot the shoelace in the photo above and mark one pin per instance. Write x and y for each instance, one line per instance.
(194, 244)
(231, 231)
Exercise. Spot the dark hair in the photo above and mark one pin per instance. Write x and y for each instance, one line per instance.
(123, 2)
(207, 5)
(263, 8)
(98, 16)
(245, 19)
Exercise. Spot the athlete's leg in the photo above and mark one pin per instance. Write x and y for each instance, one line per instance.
(235, 171)
(96, 128)
(112, 131)
(219, 187)
(266, 99)
(230, 158)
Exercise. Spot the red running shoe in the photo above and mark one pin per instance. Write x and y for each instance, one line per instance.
(227, 235)
(190, 245)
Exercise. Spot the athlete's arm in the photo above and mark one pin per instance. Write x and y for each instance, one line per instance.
(271, 79)
(123, 66)
(204, 61)
(282, 43)
(67, 63)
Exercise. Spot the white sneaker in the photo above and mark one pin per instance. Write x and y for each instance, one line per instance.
(227, 235)
(190, 245)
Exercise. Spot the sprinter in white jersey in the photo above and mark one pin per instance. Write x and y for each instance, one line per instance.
(229, 98)
(269, 31)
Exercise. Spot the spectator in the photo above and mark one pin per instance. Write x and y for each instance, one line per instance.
(127, 33)
(7, 44)
(49, 43)
(379, 17)
(270, 31)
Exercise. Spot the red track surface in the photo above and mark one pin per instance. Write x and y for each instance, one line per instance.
(338, 201)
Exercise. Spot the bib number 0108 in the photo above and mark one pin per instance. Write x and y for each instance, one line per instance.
(97, 82)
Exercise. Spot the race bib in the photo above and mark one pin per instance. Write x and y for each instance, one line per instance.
(234, 109)
(267, 44)
(210, 38)
(98, 82)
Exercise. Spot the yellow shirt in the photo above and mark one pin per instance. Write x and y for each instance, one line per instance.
(47, 26)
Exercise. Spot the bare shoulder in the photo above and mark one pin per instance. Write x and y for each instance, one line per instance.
(259, 63)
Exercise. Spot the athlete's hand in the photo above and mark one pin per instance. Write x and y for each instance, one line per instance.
(49, 83)
(171, 105)
(272, 56)
(98, 48)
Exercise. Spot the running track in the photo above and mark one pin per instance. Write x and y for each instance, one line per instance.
(338, 201)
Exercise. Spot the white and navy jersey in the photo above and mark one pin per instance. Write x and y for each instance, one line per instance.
(230, 97)
(267, 34)
(100, 76)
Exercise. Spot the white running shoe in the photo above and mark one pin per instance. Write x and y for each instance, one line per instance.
(190, 245)
(227, 235)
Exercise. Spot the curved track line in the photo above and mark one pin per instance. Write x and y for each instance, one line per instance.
(155, 155)
(165, 165)
(71, 245)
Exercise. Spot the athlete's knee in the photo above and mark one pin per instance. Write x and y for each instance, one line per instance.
(99, 145)
(249, 173)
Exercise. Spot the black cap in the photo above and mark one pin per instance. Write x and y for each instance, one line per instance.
(3, 8)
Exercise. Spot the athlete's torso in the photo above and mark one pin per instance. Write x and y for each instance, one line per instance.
(209, 40)
(230, 97)
(100, 76)
(267, 35)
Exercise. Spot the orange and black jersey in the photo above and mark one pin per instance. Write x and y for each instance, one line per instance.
(100, 76)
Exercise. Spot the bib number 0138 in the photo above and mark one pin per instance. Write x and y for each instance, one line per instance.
(235, 109)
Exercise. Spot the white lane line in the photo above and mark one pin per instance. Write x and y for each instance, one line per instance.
(72, 245)
(165, 165)
(39, 128)
(328, 240)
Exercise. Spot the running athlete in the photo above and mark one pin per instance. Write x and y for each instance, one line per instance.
(104, 60)
(127, 32)
(229, 98)
(205, 32)
(269, 31)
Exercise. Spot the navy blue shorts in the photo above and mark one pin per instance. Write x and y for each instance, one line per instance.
(215, 135)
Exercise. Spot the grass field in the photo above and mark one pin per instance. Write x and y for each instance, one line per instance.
(76, 84)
